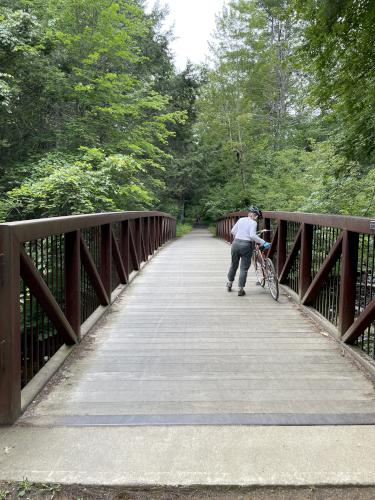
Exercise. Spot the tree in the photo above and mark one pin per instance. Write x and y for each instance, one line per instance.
(91, 74)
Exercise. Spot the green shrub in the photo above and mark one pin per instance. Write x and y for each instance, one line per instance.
(183, 229)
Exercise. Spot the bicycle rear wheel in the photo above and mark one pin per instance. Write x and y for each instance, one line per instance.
(273, 282)
(259, 270)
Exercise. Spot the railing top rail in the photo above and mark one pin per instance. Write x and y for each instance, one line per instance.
(40, 228)
(350, 223)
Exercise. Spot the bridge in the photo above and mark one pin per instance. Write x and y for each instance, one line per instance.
(109, 323)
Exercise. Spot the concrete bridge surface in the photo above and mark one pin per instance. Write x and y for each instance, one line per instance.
(184, 383)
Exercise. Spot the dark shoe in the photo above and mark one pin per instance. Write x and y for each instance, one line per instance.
(241, 292)
(229, 286)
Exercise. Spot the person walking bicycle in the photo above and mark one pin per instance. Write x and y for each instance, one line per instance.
(244, 232)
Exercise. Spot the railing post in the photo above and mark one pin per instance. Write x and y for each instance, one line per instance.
(159, 221)
(137, 238)
(106, 258)
(267, 226)
(161, 226)
(147, 231)
(72, 268)
(152, 235)
(163, 235)
(305, 259)
(348, 281)
(281, 245)
(155, 234)
(10, 338)
(124, 245)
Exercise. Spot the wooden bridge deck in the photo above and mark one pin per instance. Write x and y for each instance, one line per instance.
(177, 348)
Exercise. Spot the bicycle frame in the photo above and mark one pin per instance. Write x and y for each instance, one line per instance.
(266, 273)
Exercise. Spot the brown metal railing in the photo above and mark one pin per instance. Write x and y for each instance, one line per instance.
(54, 273)
(329, 262)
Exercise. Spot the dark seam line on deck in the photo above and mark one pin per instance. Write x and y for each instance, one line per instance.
(275, 419)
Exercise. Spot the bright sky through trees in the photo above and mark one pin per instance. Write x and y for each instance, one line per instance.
(194, 22)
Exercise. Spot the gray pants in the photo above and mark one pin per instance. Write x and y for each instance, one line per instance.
(241, 249)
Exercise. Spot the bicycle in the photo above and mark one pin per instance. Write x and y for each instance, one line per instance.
(265, 270)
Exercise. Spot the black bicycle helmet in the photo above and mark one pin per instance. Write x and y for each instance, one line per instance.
(256, 211)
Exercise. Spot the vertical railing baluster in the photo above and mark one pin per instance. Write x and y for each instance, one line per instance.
(72, 269)
(10, 339)
(348, 281)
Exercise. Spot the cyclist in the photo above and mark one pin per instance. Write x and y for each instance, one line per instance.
(244, 232)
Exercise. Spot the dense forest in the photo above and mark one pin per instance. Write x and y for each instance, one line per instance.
(95, 117)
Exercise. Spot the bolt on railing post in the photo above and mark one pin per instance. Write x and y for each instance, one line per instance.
(305, 259)
(281, 245)
(10, 338)
(106, 258)
(72, 270)
(348, 281)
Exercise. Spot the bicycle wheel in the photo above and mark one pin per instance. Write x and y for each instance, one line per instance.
(273, 282)
(259, 270)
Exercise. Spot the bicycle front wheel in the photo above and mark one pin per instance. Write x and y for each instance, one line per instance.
(259, 273)
(273, 282)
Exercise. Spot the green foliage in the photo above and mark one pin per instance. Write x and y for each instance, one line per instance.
(94, 117)
(24, 487)
(282, 122)
(182, 229)
(339, 50)
(93, 182)
(4, 494)
(83, 75)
